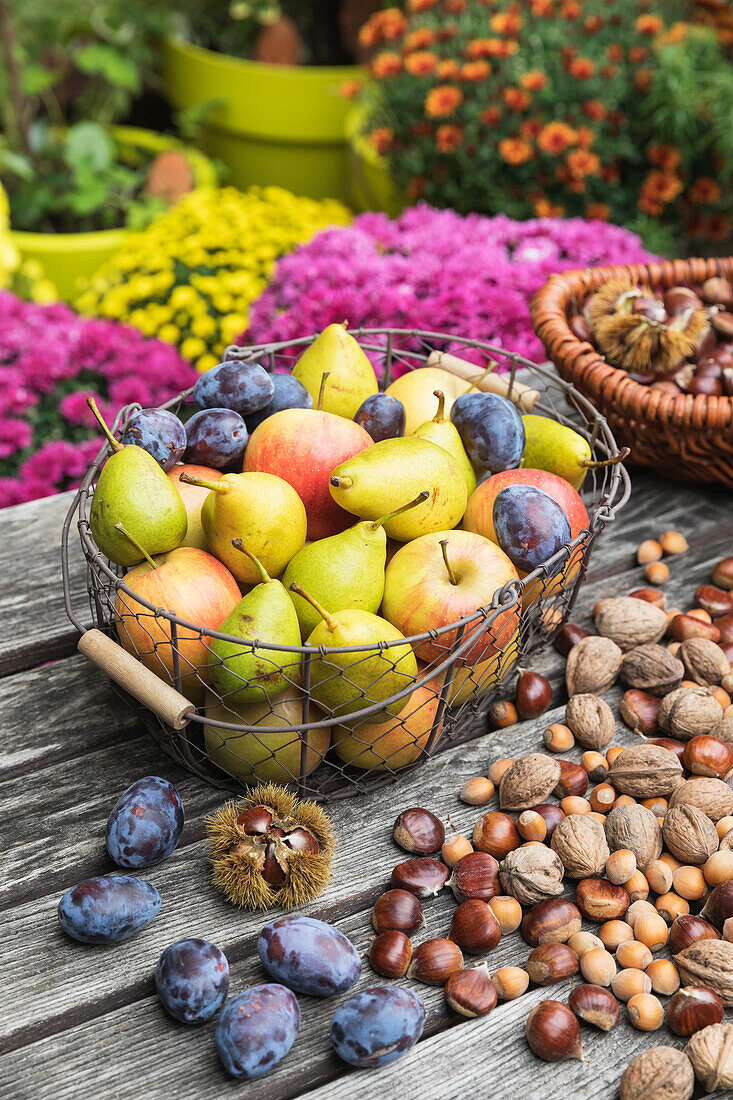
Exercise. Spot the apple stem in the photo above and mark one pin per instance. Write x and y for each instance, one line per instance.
(342, 481)
(131, 538)
(592, 464)
(405, 508)
(114, 443)
(444, 548)
(322, 390)
(239, 545)
(440, 414)
(329, 620)
(215, 486)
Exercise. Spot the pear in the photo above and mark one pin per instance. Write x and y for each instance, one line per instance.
(556, 448)
(250, 674)
(440, 430)
(343, 571)
(261, 509)
(135, 492)
(351, 376)
(383, 475)
(343, 683)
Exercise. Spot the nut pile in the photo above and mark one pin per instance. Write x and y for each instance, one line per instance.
(641, 838)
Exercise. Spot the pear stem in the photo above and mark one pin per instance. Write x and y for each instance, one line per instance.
(131, 538)
(590, 464)
(440, 414)
(444, 547)
(343, 481)
(114, 443)
(322, 390)
(239, 545)
(405, 508)
(215, 486)
(329, 620)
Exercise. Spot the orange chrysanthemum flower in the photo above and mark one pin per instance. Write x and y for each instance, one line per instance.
(582, 68)
(506, 22)
(643, 80)
(448, 138)
(718, 227)
(666, 157)
(649, 24)
(585, 137)
(595, 110)
(542, 8)
(598, 211)
(491, 115)
(350, 89)
(555, 137)
(454, 7)
(517, 99)
(418, 39)
(581, 163)
(421, 63)
(705, 190)
(386, 64)
(416, 187)
(384, 26)
(678, 33)
(592, 24)
(571, 11)
(650, 206)
(442, 101)
(448, 69)
(637, 54)
(514, 151)
(475, 70)
(531, 128)
(543, 208)
(421, 5)
(614, 53)
(381, 138)
(484, 47)
(533, 81)
(662, 186)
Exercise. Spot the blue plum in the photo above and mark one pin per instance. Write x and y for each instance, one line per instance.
(215, 437)
(256, 1029)
(377, 1026)
(382, 415)
(192, 980)
(529, 525)
(108, 909)
(244, 387)
(289, 393)
(145, 824)
(309, 956)
(491, 429)
(158, 432)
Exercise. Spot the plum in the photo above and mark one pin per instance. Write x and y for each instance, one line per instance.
(491, 429)
(382, 415)
(289, 394)
(215, 437)
(145, 824)
(529, 525)
(244, 387)
(256, 1029)
(377, 1026)
(158, 432)
(108, 909)
(192, 980)
(309, 956)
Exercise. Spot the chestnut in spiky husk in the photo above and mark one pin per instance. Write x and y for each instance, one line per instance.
(271, 849)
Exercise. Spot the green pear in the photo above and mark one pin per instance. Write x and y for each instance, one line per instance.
(384, 474)
(440, 430)
(343, 683)
(133, 490)
(343, 571)
(351, 377)
(250, 674)
(556, 448)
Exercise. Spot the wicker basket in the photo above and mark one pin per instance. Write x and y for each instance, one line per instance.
(685, 437)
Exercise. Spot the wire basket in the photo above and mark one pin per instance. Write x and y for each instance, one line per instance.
(345, 720)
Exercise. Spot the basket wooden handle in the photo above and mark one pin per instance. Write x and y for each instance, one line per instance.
(164, 701)
(523, 396)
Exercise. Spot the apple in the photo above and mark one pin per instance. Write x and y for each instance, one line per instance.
(468, 681)
(479, 510)
(415, 391)
(304, 446)
(266, 757)
(396, 743)
(193, 496)
(422, 592)
(196, 587)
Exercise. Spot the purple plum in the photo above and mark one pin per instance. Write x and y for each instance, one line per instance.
(244, 387)
(145, 824)
(215, 437)
(256, 1029)
(491, 429)
(108, 909)
(529, 525)
(192, 980)
(309, 956)
(158, 432)
(377, 1026)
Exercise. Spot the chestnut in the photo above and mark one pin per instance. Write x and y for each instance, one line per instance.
(650, 595)
(573, 780)
(567, 636)
(719, 906)
(717, 291)
(683, 627)
(474, 927)
(716, 601)
(533, 695)
(595, 1005)
(497, 834)
(725, 625)
(553, 1032)
(580, 328)
(399, 911)
(706, 755)
(419, 831)
(726, 379)
(475, 876)
(678, 299)
(551, 962)
(553, 920)
(552, 815)
(677, 747)
(433, 961)
(706, 384)
(390, 954)
(723, 574)
(422, 877)
(600, 900)
(639, 711)
(692, 1008)
(471, 992)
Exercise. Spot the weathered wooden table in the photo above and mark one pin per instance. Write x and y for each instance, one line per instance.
(80, 1022)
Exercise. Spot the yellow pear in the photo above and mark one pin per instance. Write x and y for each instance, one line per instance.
(351, 378)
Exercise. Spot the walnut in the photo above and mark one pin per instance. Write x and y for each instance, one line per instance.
(711, 1052)
(712, 796)
(528, 782)
(592, 665)
(726, 844)
(531, 874)
(688, 711)
(704, 661)
(590, 719)
(635, 827)
(723, 730)
(652, 668)
(661, 1073)
(689, 834)
(708, 963)
(630, 622)
(645, 771)
(580, 842)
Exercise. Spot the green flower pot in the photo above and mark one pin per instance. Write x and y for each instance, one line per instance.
(69, 258)
(270, 124)
(371, 186)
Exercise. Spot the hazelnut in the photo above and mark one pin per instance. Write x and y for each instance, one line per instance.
(600, 900)
(615, 932)
(574, 804)
(595, 1005)
(553, 1033)
(692, 1008)
(471, 992)
(636, 909)
(602, 798)
(455, 848)
(706, 755)
(620, 866)
(502, 714)
(477, 791)
(397, 911)
(689, 883)
(724, 826)
(592, 666)
(433, 961)
(584, 941)
(657, 805)
(671, 905)
(672, 542)
(531, 874)
(633, 955)
(558, 738)
(510, 982)
(663, 975)
(711, 1054)
(531, 826)
(497, 834)
(645, 1012)
(637, 887)
(474, 927)
(568, 636)
(627, 983)
(528, 781)
(613, 753)
(475, 876)
(659, 876)
(550, 963)
(657, 572)
(597, 966)
(419, 831)
(652, 930)
(507, 911)
(390, 953)
(595, 766)
(660, 1064)
(424, 878)
(718, 868)
(723, 574)
(687, 929)
(648, 551)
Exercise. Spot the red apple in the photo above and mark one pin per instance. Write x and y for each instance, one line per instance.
(304, 446)
(195, 586)
(193, 496)
(480, 507)
(422, 592)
